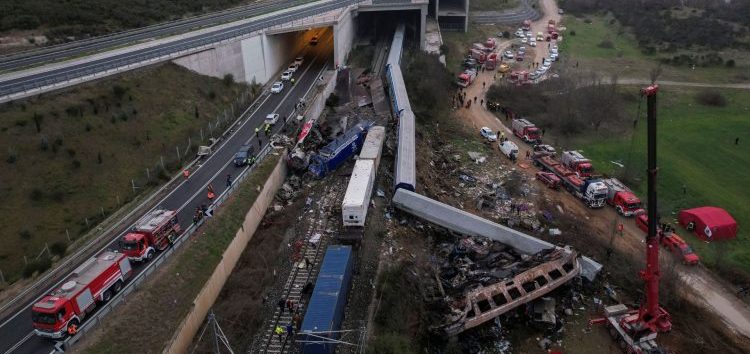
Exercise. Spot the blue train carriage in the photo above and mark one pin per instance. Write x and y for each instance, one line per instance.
(339, 150)
(325, 311)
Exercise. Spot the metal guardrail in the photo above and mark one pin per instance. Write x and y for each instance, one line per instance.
(138, 279)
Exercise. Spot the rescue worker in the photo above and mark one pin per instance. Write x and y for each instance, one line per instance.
(292, 80)
(257, 130)
(289, 330)
(229, 180)
(210, 193)
(279, 331)
(502, 136)
(268, 129)
(186, 173)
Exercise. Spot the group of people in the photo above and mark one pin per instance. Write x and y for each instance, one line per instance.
(201, 212)
(293, 307)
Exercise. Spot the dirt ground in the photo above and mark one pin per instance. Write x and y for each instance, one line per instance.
(704, 289)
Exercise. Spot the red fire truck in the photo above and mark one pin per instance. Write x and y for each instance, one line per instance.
(97, 280)
(154, 232)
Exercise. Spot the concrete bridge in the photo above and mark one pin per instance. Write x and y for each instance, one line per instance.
(251, 50)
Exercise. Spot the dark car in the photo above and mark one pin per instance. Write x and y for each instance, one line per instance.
(314, 40)
(244, 157)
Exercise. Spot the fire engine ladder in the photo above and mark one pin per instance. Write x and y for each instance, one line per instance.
(298, 278)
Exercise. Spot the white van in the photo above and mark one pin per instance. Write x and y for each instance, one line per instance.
(509, 149)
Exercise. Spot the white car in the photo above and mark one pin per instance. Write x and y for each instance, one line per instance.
(519, 33)
(532, 43)
(560, 11)
(509, 149)
(271, 118)
(299, 60)
(292, 67)
(488, 134)
(547, 64)
(277, 87)
(554, 56)
(524, 40)
(554, 46)
(522, 49)
(286, 75)
(553, 50)
(508, 54)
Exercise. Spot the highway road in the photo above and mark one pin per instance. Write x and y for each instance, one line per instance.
(82, 47)
(20, 82)
(16, 335)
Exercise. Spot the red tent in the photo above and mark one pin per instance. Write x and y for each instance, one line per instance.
(709, 223)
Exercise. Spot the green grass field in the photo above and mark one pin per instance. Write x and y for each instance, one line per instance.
(626, 60)
(696, 150)
(69, 155)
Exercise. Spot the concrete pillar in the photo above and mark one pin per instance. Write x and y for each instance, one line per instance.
(422, 25)
(466, 19)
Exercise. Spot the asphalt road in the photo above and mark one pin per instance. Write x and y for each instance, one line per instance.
(78, 48)
(63, 74)
(16, 334)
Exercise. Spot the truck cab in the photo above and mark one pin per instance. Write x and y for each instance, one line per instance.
(50, 317)
(575, 161)
(594, 193)
(154, 232)
(626, 203)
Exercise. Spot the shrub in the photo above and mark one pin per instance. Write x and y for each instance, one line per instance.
(38, 118)
(37, 266)
(606, 44)
(573, 33)
(58, 248)
(36, 194)
(21, 123)
(228, 80)
(71, 152)
(119, 91)
(44, 144)
(729, 63)
(12, 157)
(711, 98)
(76, 164)
(25, 234)
(211, 95)
(332, 100)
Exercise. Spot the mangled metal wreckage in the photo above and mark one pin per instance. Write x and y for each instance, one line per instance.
(482, 280)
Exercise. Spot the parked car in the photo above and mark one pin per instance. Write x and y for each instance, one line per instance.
(244, 156)
(314, 40)
(519, 56)
(539, 36)
(522, 49)
(488, 134)
(553, 50)
(546, 65)
(271, 118)
(532, 43)
(553, 57)
(299, 60)
(508, 54)
(286, 75)
(560, 11)
(509, 149)
(292, 67)
(519, 33)
(277, 87)
(524, 40)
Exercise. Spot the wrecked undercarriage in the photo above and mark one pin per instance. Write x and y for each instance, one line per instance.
(482, 279)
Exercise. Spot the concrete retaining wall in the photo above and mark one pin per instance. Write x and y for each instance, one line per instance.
(469, 224)
(191, 324)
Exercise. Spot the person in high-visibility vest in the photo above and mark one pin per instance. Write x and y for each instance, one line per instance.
(211, 193)
(257, 130)
(292, 80)
(268, 128)
(72, 329)
(279, 332)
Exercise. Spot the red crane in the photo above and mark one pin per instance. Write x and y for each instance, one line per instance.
(635, 330)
